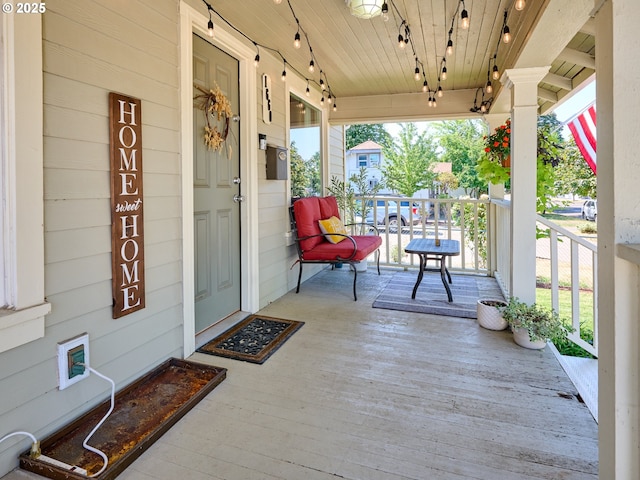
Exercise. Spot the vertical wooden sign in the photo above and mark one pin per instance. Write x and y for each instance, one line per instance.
(127, 221)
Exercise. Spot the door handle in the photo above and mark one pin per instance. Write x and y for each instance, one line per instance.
(238, 198)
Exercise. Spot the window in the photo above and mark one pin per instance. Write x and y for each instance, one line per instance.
(363, 160)
(304, 153)
(22, 305)
(374, 159)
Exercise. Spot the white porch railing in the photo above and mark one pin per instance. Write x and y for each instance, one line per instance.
(565, 262)
(428, 218)
(570, 264)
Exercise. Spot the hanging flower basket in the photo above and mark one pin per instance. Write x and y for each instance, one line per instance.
(495, 165)
(498, 144)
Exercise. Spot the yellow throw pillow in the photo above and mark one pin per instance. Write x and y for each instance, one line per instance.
(330, 226)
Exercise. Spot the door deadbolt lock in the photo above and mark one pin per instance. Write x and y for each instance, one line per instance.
(238, 198)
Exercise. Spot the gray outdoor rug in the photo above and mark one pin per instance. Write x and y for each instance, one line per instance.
(432, 297)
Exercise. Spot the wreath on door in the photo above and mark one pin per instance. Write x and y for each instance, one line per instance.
(217, 113)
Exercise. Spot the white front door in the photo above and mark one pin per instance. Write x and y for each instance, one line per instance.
(216, 192)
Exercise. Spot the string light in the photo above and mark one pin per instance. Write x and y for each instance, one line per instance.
(450, 47)
(312, 66)
(520, 4)
(496, 73)
(256, 59)
(444, 73)
(464, 17)
(308, 92)
(284, 73)
(425, 86)
(322, 100)
(416, 74)
(335, 107)
(210, 26)
(277, 2)
(385, 12)
(506, 33)
(440, 91)
(296, 40)
(489, 87)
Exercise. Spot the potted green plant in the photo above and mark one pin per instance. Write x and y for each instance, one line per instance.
(489, 314)
(532, 326)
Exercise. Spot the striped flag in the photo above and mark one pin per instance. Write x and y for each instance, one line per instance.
(583, 128)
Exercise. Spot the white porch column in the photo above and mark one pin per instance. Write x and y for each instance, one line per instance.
(523, 83)
(618, 103)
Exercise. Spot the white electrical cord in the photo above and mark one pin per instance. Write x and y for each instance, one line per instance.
(84, 443)
(35, 445)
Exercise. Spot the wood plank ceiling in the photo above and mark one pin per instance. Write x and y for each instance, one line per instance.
(361, 57)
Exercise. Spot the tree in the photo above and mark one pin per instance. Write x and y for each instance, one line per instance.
(357, 134)
(407, 165)
(550, 154)
(314, 181)
(575, 176)
(298, 177)
(447, 181)
(462, 145)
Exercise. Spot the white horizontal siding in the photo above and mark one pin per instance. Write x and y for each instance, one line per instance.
(91, 48)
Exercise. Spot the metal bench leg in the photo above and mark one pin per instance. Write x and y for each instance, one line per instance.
(378, 260)
(355, 277)
(299, 278)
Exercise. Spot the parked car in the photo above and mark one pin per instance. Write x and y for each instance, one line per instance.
(386, 213)
(590, 210)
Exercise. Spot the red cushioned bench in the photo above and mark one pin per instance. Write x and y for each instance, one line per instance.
(313, 245)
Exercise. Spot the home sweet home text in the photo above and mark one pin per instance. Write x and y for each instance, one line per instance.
(127, 221)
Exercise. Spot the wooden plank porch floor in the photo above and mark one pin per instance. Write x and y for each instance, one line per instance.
(363, 393)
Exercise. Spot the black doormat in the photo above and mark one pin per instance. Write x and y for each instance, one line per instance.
(253, 340)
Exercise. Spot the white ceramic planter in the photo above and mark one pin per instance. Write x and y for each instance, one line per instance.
(489, 316)
(361, 266)
(521, 337)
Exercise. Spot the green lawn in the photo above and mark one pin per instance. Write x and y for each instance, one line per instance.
(543, 298)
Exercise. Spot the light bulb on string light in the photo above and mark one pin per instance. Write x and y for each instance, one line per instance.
(450, 47)
(443, 75)
(416, 74)
(385, 12)
(506, 34)
(256, 60)
(425, 86)
(210, 27)
(335, 107)
(322, 83)
(520, 4)
(430, 102)
(296, 40)
(496, 73)
(401, 43)
(483, 108)
(277, 2)
(312, 66)
(434, 104)
(489, 87)
(308, 92)
(284, 75)
(440, 92)
(464, 19)
(322, 100)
